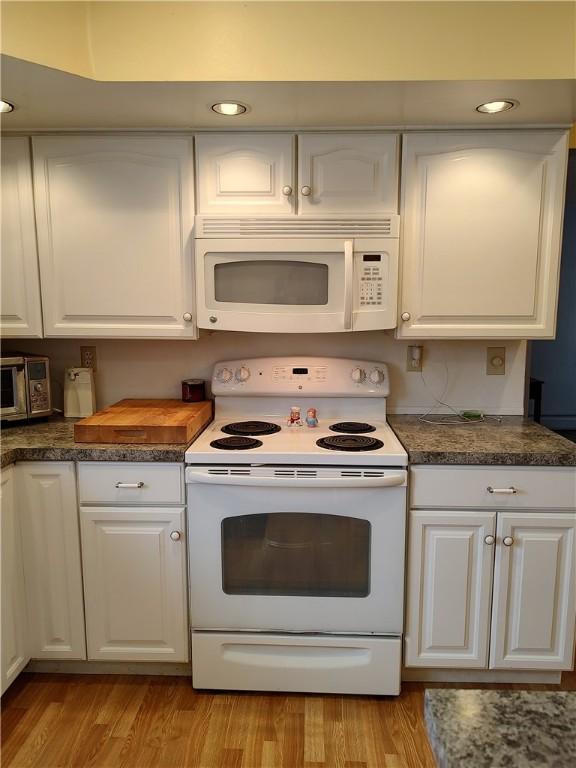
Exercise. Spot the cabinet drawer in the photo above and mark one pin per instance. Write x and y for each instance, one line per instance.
(537, 488)
(130, 483)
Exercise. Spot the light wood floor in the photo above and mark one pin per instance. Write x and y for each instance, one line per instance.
(111, 721)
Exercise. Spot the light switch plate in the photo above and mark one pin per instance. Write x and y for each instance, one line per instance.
(495, 361)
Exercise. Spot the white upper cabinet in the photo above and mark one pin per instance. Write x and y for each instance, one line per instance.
(114, 217)
(20, 299)
(535, 591)
(481, 233)
(347, 173)
(245, 173)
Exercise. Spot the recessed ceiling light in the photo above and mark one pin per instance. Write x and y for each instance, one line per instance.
(492, 107)
(5, 106)
(229, 108)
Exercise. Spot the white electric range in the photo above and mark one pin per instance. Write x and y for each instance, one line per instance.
(296, 529)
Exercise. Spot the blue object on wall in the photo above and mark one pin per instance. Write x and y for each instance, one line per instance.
(554, 362)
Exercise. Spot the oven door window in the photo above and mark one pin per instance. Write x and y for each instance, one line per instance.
(278, 281)
(298, 554)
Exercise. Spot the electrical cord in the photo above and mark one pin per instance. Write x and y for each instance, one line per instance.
(443, 421)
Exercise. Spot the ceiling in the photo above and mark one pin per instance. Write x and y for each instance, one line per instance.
(49, 99)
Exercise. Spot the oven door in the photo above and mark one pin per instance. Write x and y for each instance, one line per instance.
(13, 404)
(265, 285)
(296, 554)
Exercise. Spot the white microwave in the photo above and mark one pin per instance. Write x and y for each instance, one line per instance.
(296, 276)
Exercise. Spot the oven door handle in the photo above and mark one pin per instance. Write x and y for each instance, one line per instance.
(390, 479)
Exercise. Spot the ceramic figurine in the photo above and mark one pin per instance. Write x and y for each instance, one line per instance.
(312, 417)
(294, 419)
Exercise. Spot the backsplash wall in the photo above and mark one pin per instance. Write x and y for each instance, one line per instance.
(156, 368)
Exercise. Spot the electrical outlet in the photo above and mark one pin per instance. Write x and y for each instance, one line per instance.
(414, 358)
(88, 357)
(495, 361)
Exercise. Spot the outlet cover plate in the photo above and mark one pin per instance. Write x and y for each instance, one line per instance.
(410, 360)
(495, 361)
(88, 357)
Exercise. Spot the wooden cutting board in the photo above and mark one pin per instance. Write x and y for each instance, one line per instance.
(145, 421)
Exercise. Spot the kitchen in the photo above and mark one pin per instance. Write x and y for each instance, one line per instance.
(381, 256)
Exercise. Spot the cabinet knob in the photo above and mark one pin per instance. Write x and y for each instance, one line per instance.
(213, 319)
(306, 191)
(489, 539)
(287, 190)
(405, 316)
(507, 541)
(175, 535)
(187, 317)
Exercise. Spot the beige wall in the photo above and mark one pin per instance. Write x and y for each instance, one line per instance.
(156, 368)
(235, 41)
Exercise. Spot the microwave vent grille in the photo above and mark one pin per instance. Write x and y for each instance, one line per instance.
(298, 226)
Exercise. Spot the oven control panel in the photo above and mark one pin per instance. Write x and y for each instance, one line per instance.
(321, 376)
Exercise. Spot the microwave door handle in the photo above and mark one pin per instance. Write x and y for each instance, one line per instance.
(348, 283)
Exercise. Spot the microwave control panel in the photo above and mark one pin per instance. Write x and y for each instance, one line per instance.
(38, 386)
(371, 280)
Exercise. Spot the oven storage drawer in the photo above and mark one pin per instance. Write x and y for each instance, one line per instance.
(122, 482)
(494, 487)
(303, 663)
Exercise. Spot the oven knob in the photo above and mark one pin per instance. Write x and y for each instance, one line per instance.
(242, 374)
(224, 375)
(358, 375)
(377, 376)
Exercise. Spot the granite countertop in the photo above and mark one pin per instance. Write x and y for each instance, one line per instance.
(493, 729)
(512, 440)
(53, 440)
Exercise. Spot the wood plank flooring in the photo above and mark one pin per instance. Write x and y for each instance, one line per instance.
(112, 721)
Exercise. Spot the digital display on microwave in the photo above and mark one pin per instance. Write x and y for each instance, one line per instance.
(303, 371)
(372, 257)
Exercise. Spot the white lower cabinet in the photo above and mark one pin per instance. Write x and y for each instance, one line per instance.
(135, 583)
(15, 651)
(449, 588)
(49, 515)
(534, 591)
(461, 562)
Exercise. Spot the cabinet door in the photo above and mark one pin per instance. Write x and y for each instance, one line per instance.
(348, 173)
(114, 219)
(135, 583)
(15, 654)
(481, 233)
(245, 173)
(20, 300)
(450, 563)
(534, 585)
(47, 499)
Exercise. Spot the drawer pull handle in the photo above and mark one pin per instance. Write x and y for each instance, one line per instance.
(175, 535)
(509, 491)
(130, 485)
(507, 541)
(489, 539)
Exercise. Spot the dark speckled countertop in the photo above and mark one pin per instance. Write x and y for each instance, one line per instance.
(501, 729)
(53, 440)
(512, 441)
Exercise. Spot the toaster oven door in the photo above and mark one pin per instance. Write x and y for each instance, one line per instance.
(13, 391)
